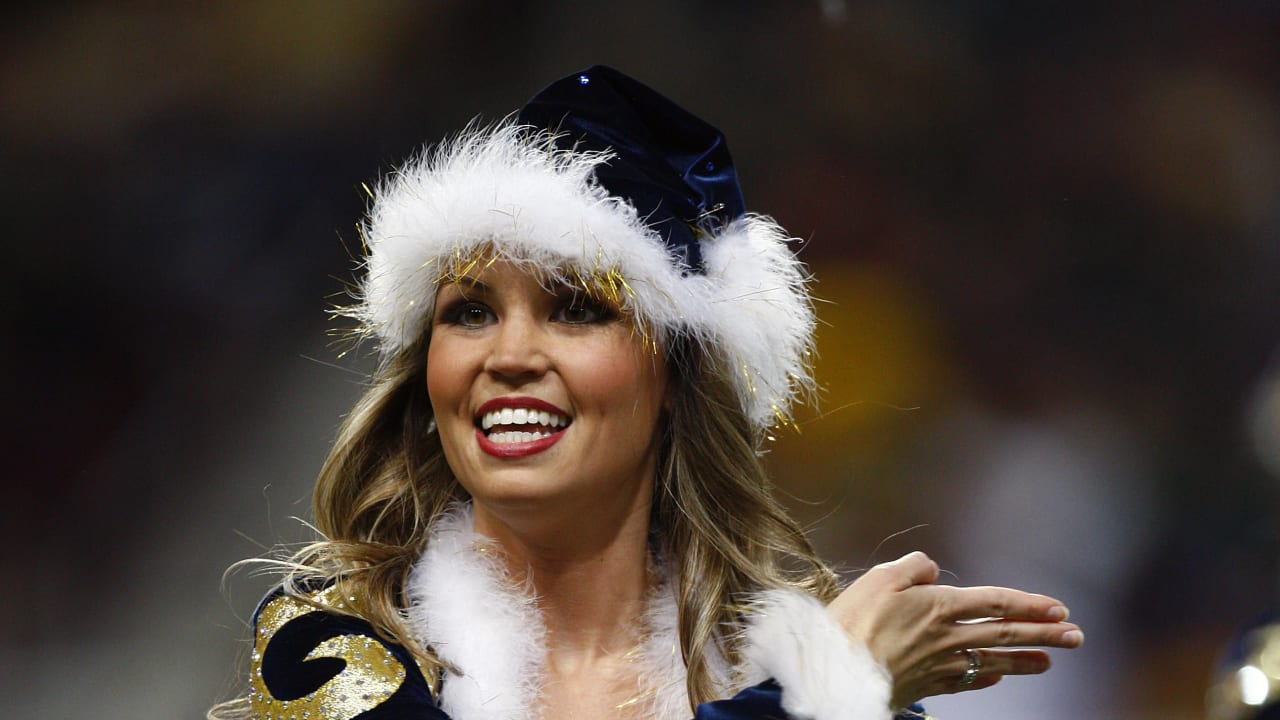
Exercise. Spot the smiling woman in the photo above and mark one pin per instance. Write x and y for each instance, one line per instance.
(549, 502)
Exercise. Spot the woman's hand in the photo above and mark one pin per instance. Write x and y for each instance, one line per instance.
(920, 631)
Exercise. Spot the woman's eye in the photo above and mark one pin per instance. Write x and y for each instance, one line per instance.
(581, 310)
(474, 316)
(469, 314)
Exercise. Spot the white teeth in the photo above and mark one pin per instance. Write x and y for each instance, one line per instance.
(516, 436)
(522, 416)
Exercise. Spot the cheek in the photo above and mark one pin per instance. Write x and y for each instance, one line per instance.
(443, 375)
(434, 371)
(631, 379)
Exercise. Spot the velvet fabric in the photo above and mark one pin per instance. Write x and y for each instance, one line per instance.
(673, 167)
(764, 702)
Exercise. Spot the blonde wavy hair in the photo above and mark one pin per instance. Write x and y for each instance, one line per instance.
(714, 518)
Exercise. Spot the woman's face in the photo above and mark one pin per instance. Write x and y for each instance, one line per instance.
(545, 401)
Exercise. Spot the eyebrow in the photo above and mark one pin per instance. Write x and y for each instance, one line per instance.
(469, 284)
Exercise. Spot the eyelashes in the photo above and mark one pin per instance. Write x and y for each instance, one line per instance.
(570, 308)
(580, 309)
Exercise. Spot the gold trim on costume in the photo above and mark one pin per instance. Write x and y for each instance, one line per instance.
(372, 673)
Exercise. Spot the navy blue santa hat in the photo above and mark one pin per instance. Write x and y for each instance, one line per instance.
(673, 167)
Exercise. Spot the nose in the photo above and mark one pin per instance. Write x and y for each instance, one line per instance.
(519, 348)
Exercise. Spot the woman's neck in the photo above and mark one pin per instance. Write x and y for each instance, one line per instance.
(560, 649)
(590, 575)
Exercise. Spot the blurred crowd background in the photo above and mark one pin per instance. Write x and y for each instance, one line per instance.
(1046, 235)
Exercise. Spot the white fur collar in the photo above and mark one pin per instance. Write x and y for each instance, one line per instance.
(468, 610)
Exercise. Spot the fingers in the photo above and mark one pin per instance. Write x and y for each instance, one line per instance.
(949, 674)
(969, 603)
(994, 661)
(914, 568)
(1008, 633)
(992, 666)
(951, 685)
(1002, 617)
(973, 603)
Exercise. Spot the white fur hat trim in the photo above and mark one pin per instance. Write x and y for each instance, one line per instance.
(508, 187)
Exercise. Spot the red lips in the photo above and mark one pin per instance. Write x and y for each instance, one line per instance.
(518, 449)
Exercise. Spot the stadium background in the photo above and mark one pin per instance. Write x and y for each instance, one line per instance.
(1045, 234)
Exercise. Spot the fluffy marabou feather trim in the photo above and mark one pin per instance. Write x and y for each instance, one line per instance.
(467, 608)
(469, 611)
(823, 675)
(507, 187)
